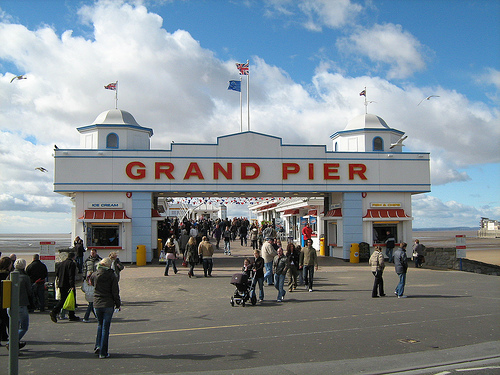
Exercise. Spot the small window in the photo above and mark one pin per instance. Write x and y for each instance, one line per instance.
(378, 144)
(112, 140)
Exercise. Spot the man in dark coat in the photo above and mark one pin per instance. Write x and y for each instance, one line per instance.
(66, 275)
(401, 266)
(37, 271)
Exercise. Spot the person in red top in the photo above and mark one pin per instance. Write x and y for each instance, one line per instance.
(306, 233)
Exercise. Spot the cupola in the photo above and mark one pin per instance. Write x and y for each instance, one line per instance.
(115, 130)
(366, 133)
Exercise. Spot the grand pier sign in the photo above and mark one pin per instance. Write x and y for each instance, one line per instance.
(245, 163)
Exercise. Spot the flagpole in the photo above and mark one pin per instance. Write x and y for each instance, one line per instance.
(241, 109)
(366, 104)
(248, 97)
(116, 96)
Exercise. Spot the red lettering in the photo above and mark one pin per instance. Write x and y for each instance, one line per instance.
(140, 172)
(245, 175)
(311, 171)
(329, 169)
(193, 170)
(358, 169)
(228, 173)
(288, 168)
(159, 170)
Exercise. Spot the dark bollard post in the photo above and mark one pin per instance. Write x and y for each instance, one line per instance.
(14, 325)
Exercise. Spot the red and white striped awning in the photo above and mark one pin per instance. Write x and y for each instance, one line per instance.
(386, 214)
(267, 207)
(108, 216)
(337, 212)
(291, 212)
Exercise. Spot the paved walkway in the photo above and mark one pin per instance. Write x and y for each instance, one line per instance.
(177, 324)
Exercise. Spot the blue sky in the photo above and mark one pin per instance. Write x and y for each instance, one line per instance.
(308, 60)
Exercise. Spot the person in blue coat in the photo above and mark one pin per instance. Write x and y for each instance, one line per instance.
(401, 266)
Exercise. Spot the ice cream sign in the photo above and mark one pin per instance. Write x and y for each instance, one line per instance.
(107, 205)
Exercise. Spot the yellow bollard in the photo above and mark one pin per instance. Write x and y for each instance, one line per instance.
(6, 292)
(354, 253)
(322, 251)
(140, 259)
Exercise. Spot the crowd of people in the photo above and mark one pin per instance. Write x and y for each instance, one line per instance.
(100, 285)
(190, 241)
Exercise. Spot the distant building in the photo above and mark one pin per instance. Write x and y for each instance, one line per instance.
(488, 228)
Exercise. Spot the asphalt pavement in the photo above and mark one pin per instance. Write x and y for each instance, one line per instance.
(177, 324)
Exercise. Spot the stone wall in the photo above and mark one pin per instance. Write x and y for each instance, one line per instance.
(446, 258)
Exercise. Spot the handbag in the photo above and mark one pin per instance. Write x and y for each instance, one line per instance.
(69, 304)
(184, 263)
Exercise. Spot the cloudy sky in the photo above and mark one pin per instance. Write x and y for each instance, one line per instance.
(309, 60)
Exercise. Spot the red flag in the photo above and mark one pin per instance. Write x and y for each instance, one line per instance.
(243, 68)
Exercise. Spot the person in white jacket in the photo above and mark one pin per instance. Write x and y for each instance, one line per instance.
(377, 265)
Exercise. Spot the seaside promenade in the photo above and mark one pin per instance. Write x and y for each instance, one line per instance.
(177, 324)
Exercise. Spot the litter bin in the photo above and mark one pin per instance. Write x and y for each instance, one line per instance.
(322, 251)
(140, 259)
(364, 251)
(354, 253)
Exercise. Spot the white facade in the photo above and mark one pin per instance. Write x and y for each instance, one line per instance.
(115, 169)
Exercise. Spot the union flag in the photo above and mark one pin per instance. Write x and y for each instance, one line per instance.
(243, 68)
(111, 86)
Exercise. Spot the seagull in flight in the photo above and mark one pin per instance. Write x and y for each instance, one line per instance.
(428, 98)
(41, 169)
(399, 142)
(17, 77)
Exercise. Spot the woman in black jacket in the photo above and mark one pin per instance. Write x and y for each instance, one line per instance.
(106, 299)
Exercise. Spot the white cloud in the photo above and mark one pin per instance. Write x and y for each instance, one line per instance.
(332, 14)
(431, 212)
(170, 83)
(387, 45)
(491, 76)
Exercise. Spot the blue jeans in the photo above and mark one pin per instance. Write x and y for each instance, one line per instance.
(90, 308)
(308, 273)
(388, 252)
(79, 263)
(400, 289)
(268, 275)
(279, 282)
(260, 281)
(207, 266)
(104, 315)
(24, 320)
(170, 262)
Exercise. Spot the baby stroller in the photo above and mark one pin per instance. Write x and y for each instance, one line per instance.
(244, 290)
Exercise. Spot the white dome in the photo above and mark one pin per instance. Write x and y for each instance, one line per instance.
(367, 121)
(115, 117)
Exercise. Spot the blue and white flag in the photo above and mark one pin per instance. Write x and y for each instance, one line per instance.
(235, 86)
